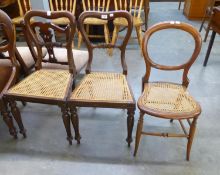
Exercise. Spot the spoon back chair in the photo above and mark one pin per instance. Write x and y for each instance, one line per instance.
(48, 86)
(104, 89)
(169, 100)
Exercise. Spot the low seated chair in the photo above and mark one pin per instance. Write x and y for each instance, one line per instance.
(9, 72)
(48, 86)
(169, 100)
(103, 89)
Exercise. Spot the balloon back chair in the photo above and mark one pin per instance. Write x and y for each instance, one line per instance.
(104, 89)
(169, 100)
(48, 86)
(9, 73)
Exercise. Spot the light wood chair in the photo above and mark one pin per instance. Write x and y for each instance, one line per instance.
(48, 86)
(207, 17)
(169, 100)
(103, 89)
(9, 72)
(134, 8)
(24, 7)
(96, 5)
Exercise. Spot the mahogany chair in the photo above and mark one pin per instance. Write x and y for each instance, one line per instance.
(103, 89)
(207, 17)
(134, 7)
(48, 86)
(9, 72)
(168, 100)
(96, 5)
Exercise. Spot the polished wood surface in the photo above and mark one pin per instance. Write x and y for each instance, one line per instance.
(215, 25)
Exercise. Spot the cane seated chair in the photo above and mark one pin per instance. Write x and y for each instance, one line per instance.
(9, 72)
(96, 5)
(169, 100)
(134, 7)
(48, 86)
(103, 89)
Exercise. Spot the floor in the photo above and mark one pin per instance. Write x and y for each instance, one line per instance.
(103, 149)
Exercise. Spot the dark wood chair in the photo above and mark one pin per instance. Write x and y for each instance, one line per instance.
(48, 86)
(169, 100)
(9, 72)
(207, 17)
(215, 25)
(104, 89)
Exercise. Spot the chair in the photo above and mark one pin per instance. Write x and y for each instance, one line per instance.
(96, 5)
(207, 17)
(24, 7)
(134, 7)
(8, 75)
(169, 100)
(103, 89)
(48, 86)
(62, 5)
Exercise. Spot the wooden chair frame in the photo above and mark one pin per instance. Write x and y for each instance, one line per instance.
(96, 5)
(13, 70)
(135, 9)
(73, 103)
(45, 32)
(185, 81)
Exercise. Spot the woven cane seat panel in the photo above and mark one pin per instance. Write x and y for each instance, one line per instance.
(43, 83)
(123, 22)
(108, 87)
(167, 97)
(95, 21)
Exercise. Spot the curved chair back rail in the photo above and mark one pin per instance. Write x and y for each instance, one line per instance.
(186, 66)
(46, 35)
(106, 16)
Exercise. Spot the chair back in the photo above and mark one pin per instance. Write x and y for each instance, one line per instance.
(24, 6)
(96, 5)
(40, 35)
(8, 74)
(185, 66)
(133, 6)
(8, 45)
(106, 16)
(63, 5)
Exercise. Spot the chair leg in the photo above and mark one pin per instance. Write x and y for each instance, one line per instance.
(130, 124)
(79, 40)
(139, 36)
(106, 33)
(17, 116)
(138, 132)
(114, 38)
(207, 31)
(8, 120)
(202, 24)
(179, 4)
(190, 139)
(75, 122)
(171, 120)
(66, 122)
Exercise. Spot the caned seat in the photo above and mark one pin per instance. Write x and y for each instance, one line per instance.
(48, 86)
(169, 100)
(51, 84)
(122, 22)
(103, 89)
